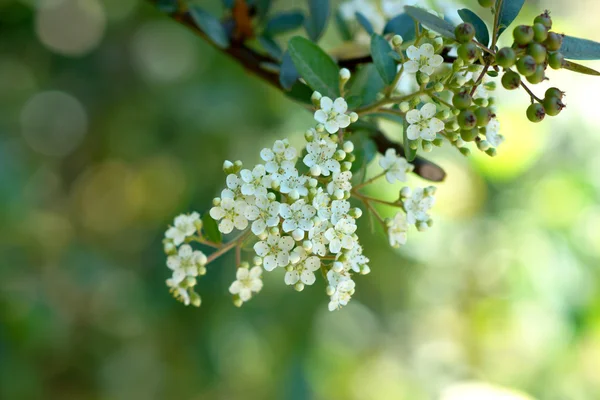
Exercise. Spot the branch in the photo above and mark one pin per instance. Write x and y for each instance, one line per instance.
(254, 61)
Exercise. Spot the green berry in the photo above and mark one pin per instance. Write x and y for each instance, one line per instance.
(462, 100)
(538, 52)
(484, 115)
(526, 65)
(506, 57)
(523, 34)
(540, 32)
(464, 32)
(556, 60)
(536, 112)
(468, 51)
(554, 41)
(553, 106)
(486, 3)
(554, 92)
(468, 135)
(467, 119)
(544, 19)
(511, 80)
(538, 76)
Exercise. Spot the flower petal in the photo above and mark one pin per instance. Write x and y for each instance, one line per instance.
(321, 116)
(340, 106)
(326, 104)
(428, 110)
(411, 67)
(413, 132)
(413, 53)
(426, 50)
(413, 117)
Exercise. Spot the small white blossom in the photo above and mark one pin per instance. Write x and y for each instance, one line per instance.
(341, 288)
(247, 281)
(492, 133)
(281, 157)
(355, 259)
(255, 182)
(231, 214)
(320, 155)
(422, 59)
(395, 167)
(339, 210)
(340, 181)
(297, 216)
(303, 269)
(397, 230)
(423, 123)
(333, 114)
(264, 213)
(275, 251)
(321, 202)
(179, 292)
(341, 236)
(294, 184)
(317, 237)
(418, 205)
(186, 263)
(185, 225)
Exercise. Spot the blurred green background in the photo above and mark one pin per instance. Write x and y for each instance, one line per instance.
(113, 119)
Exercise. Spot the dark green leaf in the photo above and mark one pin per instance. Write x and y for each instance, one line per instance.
(580, 49)
(211, 229)
(271, 47)
(409, 154)
(366, 84)
(262, 8)
(229, 3)
(317, 19)
(211, 26)
(402, 25)
(168, 6)
(343, 26)
(284, 22)
(582, 69)
(432, 22)
(364, 150)
(508, 12)
(365, 23)
(300, 93)
(316, 67)
(481, 31)
(288, 74)
(353, 102)
(380, 51)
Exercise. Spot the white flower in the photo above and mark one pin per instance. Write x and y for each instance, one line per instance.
(395, 167)
(280, 158)
(397, 229)
(187, 262)
(418, 205)
(317, 237)
(339, 210)
(423, 123)
(303, 269)
(320, 155)
(333, 114)
(183, 227)
(247, 281)
(264, 213)
(341, 288)
(234, 190)
(255, 182)
(492, 133)
(341, 236)
(422, 59)
(293, 184)
(340, 181)
(180, 293)
(321, 202)
(356, 260)
(231, 214)
(275, 251)
(297, 216)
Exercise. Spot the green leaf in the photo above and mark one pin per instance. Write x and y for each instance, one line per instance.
(288, 74)
(228, 3)
(432, 22)
(364, 150)
(508, 12)
(271, 47)
(284, 22)
(315, 66)
(300, 93)
(380, 51)
(409, 154)
(262, 8)
(211, 26)
(481, 30)
(317, 18)
(364, 22)
(211, 229)
(580, 49)
(402, 25)
(366, 84)
(168, 6)
(342, 26)
(582, 69)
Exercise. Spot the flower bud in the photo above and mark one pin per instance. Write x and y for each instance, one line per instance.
(492, 152)
(195, 299)
(355, 212)
(483, 145)
(404, 106)
(298, 235)
(353, 117)
(299, 286)
(216, 201)
(237, 301)
(316, 99)
(339, 155)
(257, 261)
(294, 195)
(330, 290)
(422, 226)
(169, 247)
(310, 134)
(312, 182)
(238, 165)
(346, 166)
(350, 157)
(397, 41)
(405, 192)
(338, 266)
(307, 245)
(465, 151)
(365, 270)
(344, 75)
(320, 128)
(315, 170)
(228, 167)
(460, 143)
(427, 146)
(338, 194)
(438, 87)
(348, 147)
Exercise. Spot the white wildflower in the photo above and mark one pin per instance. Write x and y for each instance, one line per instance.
(332, 114)
(186, 263)
(423, 123)
(293, 184)
(395, 167)
(303, 269)
(231, 214)
(341, 288)
(247, 281)
(320, 156)
(281, 157)
(184, 225)
(297, 216)
(492, 133)
(255, 182)
(275, 251)
(397, 230)
(418, 205)
(264, 212)
(422, 59)
(341, 235)
(340, 181)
